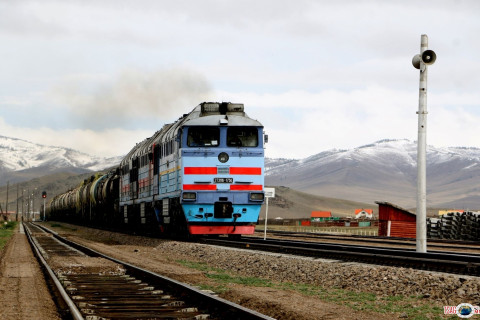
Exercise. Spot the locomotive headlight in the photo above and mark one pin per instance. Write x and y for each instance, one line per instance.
(223, 157)
(189, 196)
(257, 196)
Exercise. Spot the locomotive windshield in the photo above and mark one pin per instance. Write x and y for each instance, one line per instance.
(203, 137)
(242, 137)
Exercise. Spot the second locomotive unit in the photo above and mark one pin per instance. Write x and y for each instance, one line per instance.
(203, 174)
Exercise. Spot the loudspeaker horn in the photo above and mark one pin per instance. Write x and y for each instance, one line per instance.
(429, 57)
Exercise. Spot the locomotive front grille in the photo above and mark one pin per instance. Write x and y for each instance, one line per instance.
(223, 210)
(223, 170)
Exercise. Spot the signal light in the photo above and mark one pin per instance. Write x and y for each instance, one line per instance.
(44, 194)
(257, 196)
(189, 196)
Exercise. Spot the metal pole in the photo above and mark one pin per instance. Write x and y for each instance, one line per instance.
(44, 216)
(28, 204)
(6, 204)
(266, 218)
(421, 244)
(16, 216)
(33, 205)
(23, 205)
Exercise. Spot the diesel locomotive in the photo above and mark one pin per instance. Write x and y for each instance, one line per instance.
(202, 174)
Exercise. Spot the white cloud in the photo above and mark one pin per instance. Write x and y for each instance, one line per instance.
(453, 127)
(301, 123)
(106, 143)
(318, 74)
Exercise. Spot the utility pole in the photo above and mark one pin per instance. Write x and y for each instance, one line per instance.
(422, 61)
(16, 215)
(44, 196)
(28, 204)
(34, 192)
(23, 205)
(33, 205)
(6, 204)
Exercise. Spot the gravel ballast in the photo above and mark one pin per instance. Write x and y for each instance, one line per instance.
(381, 280)
(381, 284)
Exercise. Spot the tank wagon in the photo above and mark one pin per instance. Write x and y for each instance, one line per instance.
(203, 174)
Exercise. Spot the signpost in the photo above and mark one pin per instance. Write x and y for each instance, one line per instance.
(44, 196)
(269, 193)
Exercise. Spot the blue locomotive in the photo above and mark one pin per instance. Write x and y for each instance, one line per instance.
(203, 174)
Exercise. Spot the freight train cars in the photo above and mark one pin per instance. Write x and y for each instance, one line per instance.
(203, 174)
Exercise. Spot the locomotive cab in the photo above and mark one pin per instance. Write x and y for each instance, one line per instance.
(222, 162)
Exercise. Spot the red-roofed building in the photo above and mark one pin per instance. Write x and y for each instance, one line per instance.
(320, 216)
(363, 213)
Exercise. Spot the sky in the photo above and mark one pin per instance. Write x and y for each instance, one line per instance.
(100, 76)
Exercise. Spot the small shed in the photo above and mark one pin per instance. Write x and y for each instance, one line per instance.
(320, 216)
(395, 221)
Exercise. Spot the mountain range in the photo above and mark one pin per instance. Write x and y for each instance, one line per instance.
(21, 160)
(382, 171)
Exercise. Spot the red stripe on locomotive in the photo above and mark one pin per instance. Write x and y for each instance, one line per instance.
(242, 187)
(199, 187)
(252, 171)
(200, 170)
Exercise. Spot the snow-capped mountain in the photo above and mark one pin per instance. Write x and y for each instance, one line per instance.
(385, 170)
(21, 160)
(382, 171)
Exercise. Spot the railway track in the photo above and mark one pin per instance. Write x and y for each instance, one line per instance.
(433, 244)
(465, 264)
(94, 286)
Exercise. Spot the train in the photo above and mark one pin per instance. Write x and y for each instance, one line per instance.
(200, 175)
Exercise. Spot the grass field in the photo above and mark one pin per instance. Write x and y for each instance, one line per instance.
(6, 231)
(410, 307)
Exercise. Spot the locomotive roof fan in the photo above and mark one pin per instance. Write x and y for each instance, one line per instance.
(223, 108)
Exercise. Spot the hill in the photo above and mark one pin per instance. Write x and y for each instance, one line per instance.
(293, 204)
(22, 160)
(53, 184)
(385, 170)
(382, 171)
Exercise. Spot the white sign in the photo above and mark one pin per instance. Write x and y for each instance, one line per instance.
(269, 192)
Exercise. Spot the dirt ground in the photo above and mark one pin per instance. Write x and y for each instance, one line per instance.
(279, 304)
(23, 291)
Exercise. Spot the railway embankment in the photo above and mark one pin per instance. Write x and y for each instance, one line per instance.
(289, 287)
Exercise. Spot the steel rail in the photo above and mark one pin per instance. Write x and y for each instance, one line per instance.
(436, 261)
(432, 243)
(75, 313)
(227, 309)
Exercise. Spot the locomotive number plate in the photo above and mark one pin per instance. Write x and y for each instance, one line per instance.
(223, 180)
